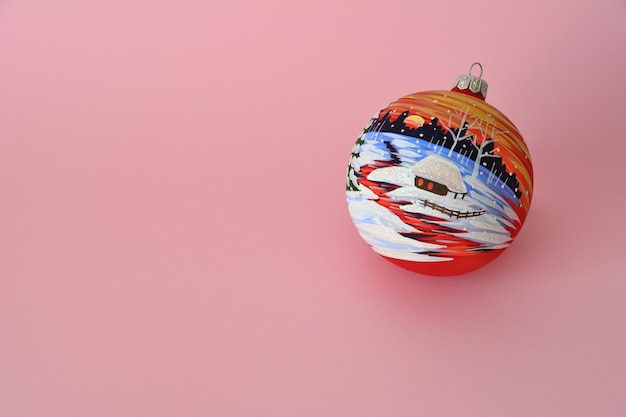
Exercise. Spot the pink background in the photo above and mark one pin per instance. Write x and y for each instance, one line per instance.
(174, 239)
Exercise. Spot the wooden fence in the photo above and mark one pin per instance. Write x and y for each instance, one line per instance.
(452, 213)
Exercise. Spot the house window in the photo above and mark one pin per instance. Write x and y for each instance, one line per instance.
(436, 188)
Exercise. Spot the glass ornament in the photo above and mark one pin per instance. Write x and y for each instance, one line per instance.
(440, 182)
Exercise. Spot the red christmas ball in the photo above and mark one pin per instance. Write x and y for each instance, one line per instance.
(440, 182)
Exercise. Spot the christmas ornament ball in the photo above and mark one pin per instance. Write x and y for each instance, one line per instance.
(440, 182)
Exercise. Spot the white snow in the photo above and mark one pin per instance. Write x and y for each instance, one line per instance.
(489, 197)
(392, 175)
(367, 211)
(487, 228)
(383, 237)
(401, 143)
(410, 256)
(381, 228)
(408, 154)
(364, 194)
(369, 156)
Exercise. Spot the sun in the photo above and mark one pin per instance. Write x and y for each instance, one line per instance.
(414, 121)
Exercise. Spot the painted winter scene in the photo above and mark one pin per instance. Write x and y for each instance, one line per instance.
(430, 180)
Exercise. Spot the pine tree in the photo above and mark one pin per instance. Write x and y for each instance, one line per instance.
(351, 181)
(353, 166)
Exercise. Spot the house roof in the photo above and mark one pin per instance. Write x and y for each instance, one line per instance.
(439, 169)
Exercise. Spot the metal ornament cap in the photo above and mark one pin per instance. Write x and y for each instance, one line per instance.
(473, 83)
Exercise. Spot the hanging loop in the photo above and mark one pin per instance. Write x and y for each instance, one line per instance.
(479, 66)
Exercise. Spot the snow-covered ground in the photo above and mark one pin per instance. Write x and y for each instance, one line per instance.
(381, 228)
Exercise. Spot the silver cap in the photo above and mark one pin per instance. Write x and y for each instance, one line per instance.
(471, 82)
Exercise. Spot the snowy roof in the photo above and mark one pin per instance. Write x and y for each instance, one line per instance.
(439, 169)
